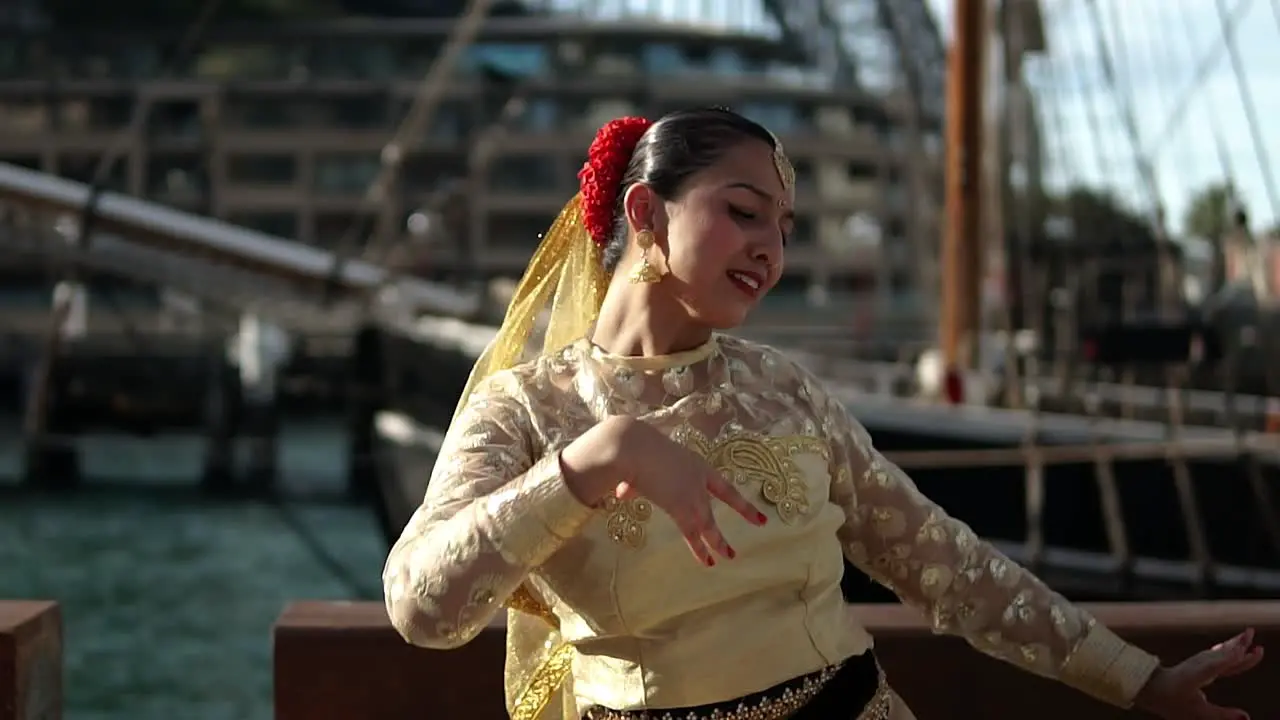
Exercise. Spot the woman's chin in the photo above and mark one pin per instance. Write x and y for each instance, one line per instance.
(725, 318)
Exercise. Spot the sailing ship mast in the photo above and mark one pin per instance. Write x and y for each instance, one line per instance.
(962, 247)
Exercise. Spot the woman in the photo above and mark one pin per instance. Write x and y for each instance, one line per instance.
(573, 487)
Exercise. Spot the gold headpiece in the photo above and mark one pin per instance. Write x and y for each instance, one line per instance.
(786, 171)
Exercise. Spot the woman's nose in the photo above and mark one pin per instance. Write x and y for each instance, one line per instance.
(768, 253)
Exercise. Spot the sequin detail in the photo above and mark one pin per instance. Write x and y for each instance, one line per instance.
(777, 704)
(626, 520)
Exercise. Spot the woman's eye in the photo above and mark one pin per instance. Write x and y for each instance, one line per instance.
(740, 213)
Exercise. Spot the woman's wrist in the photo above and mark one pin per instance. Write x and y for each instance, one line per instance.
(592, 464)
(1152, 697)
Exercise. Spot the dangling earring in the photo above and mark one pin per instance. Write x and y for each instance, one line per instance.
(644, 272)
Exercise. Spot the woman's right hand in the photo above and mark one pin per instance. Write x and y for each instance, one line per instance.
(626, 458)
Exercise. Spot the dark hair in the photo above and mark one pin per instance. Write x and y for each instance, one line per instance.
(673, 149)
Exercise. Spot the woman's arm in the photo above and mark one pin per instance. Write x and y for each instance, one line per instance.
(966, 587)
(491, 514)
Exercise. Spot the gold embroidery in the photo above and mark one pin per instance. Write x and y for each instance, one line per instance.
(627, 519)
(523, 600)
(545, 683)
(746, 458)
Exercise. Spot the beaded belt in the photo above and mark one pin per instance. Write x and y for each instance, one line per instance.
(777, 703)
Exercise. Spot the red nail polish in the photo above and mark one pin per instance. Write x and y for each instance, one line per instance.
(761, 519)
(732, 554)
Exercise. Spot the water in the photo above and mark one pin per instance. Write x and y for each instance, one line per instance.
(168, 600)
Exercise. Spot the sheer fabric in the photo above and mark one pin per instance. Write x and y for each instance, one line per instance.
(639, 623)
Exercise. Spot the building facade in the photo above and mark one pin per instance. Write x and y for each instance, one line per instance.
(282, 129)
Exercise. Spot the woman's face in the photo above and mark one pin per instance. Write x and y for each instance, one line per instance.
(724, 237)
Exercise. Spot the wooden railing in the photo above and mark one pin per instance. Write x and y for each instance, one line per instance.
(343, 661)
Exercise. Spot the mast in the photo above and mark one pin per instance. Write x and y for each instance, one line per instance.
(962, 257)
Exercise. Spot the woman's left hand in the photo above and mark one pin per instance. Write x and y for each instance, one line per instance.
(1177, 693)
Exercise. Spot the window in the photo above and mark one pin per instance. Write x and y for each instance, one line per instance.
(370, 111)
(81, 167)
(24, 115)
(804, 233)
(98, 113)
(727, 61)
(516, 59)
(179, 178)
(806, 180)
(861, 170)
(517, 230)
(522, 173)
(541, 115)
(343, 231)
(262, 169)
(179, 120)
(266, 112)
(346, 173)
(450, 122)
(781, 118)
(280, 224)
(31, 162)
(351, 60)
(247, 61)
(430, 172)
(664, 59)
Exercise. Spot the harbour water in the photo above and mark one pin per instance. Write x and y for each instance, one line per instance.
(168, 599)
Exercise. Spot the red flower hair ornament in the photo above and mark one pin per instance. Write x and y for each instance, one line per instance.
(600, 178)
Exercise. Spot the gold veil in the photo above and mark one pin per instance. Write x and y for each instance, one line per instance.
(567, 274)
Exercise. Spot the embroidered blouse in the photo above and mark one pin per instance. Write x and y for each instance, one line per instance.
(654, 628)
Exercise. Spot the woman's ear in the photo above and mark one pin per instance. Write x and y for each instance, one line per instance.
(639, 204)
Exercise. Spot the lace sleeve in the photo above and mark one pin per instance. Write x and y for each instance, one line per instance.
(966, 587)
(491, 514)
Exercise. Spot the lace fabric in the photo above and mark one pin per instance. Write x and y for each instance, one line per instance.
(635, 621)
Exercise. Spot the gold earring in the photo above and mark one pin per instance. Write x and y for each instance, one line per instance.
(644, 272)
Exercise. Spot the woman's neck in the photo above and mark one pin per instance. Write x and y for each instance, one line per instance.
(639, 322)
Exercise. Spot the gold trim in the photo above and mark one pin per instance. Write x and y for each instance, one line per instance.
(654, 363)
(544, 684)
(778, 705)
(523, 600)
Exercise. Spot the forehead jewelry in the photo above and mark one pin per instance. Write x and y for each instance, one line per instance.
(786, 172)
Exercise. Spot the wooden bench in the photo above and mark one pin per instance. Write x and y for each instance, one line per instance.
(30, 661)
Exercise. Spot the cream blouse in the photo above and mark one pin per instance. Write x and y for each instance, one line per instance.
(654, 628)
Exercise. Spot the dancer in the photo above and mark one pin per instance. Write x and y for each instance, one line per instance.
(666, 510)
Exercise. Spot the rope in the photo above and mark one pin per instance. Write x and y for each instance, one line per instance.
(1250, 108)
(1204, 67)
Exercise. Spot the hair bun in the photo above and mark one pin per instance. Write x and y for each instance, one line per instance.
(600, 178)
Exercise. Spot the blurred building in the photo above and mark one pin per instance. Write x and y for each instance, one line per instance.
(280, 128)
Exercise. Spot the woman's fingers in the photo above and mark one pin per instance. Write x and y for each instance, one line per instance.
(693, 539)
(1222, 659)
(725, 492)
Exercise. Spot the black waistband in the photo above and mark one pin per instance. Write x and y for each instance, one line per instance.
(837, 691)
